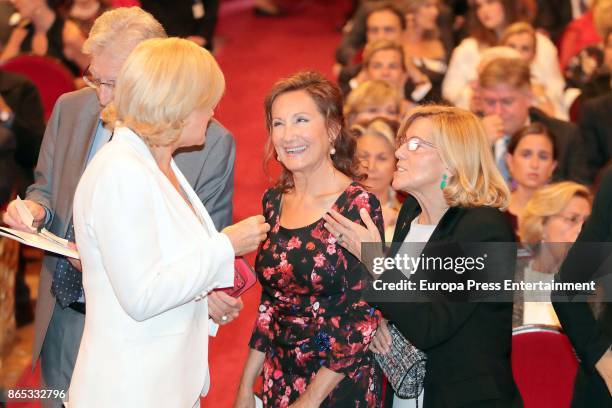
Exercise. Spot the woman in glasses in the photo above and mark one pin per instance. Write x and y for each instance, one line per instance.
(455, 196)
(551, 221)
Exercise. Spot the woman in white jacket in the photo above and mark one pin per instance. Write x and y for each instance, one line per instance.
(149, 250)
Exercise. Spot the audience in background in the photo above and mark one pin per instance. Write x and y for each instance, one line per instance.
(194, 20)
(547, 91)
(372, 99)
(585, 31)
(505, 93)
(85, 12)
(531, 160)
(382, 20)
(376, 155)
(426, 53)
(489, 19)
(43, 30)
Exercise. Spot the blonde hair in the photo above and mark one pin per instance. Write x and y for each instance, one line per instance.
(382, 128)
(382, 45)
(369, 93)
(160, 84)
(521, 27)
(120, 30)
(463, 147)
(545, 203)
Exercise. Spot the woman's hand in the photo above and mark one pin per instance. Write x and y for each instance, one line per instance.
(381, 343)
(350, 234)
(246, 235)
(223, 308)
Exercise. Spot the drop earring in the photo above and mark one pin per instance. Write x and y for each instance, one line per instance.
(444, 182)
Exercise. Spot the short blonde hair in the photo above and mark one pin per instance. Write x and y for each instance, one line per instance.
(120, 30)
(521, 27)
(380, 127)
(545, 203)
(369, 93)
(382, 45)
(160, 84)
(463, 147)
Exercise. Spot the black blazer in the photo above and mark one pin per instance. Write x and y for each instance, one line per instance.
(596, 128)
(467, 344)
(590, 335)
(571, 156)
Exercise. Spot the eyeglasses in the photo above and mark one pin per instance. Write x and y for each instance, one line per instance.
(415, 142)
(95, 83)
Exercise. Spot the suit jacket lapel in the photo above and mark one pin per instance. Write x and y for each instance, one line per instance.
(82, 137)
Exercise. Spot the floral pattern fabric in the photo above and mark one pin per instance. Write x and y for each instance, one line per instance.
(311, 313)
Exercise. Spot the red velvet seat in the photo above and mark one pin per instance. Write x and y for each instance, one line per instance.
(50, 77)
(544, 366)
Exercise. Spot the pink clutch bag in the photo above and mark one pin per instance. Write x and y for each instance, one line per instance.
(244, 278)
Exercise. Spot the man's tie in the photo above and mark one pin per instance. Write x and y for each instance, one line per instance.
(67, 283)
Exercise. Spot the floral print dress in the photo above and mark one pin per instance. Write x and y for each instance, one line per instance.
(311, 313)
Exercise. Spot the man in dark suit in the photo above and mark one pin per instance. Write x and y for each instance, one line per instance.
(74, 134)
(596, 128)
(590, 334)
(506, 101)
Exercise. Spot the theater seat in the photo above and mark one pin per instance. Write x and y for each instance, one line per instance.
(544, 366)
(51, 78)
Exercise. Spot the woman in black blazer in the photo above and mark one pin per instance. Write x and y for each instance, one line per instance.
(590, 334)
(455, 194)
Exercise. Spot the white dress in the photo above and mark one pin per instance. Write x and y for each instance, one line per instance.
(147, 259)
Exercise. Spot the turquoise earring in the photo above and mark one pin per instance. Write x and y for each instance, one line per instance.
(444, 182)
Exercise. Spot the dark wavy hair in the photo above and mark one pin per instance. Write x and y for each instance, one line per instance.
(328, 98)
(514, 11)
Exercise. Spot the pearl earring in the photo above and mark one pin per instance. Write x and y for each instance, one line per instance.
(332, 151)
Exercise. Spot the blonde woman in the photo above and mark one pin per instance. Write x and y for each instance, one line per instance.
(455, 196)
(376, 154)
(551, 222)
(547, 90)
(372, 99)
(149, 249)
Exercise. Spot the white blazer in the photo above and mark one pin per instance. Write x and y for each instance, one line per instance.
(146, 260)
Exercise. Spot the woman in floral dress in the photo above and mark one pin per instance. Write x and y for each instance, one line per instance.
(313, 329)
